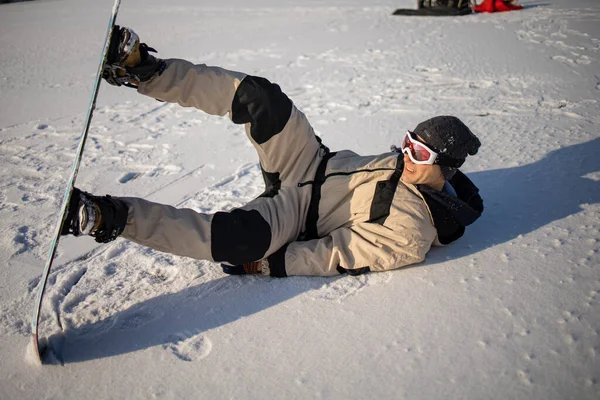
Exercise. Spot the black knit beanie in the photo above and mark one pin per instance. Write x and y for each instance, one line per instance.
(449, 137)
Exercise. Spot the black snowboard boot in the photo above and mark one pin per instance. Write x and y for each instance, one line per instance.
(128, 61)
(102, 217)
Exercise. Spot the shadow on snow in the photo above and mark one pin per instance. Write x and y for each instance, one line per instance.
(180, 315)
(520, 200)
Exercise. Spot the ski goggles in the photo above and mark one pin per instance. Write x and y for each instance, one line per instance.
(418, 152)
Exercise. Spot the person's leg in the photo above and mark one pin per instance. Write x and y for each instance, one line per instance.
(250, 233)
(287, 147)
(286, 144)
(261, 227)
(238, 236)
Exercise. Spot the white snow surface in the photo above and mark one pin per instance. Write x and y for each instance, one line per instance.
(510, 311)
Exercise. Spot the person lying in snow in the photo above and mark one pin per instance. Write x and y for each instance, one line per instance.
(322, 213)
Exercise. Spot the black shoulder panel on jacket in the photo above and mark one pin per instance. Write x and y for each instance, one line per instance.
(262, 104)
(384, 195)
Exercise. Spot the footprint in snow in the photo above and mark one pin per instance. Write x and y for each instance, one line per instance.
(129, 177)
(188, 348)
(342, 288)
(25, 239)
(138, 318)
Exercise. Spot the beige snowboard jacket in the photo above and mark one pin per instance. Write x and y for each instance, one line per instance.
(325, 213)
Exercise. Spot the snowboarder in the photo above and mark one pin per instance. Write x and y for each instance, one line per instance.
(322, 212)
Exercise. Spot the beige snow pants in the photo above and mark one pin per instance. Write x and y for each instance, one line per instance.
(288, 151)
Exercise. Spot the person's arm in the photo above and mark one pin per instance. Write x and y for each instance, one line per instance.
(360, 248)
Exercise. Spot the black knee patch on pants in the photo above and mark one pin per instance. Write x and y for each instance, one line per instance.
(239, 236)
(262, 104)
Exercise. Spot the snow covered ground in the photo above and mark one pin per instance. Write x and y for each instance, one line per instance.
(509, 311)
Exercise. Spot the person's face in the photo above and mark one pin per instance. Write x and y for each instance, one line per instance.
(423, 174)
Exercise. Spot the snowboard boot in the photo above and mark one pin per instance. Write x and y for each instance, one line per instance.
(250, 268)
(102, 217)
(128, 61)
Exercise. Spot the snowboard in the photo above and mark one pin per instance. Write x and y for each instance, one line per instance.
(433, 12)
(40, 346)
